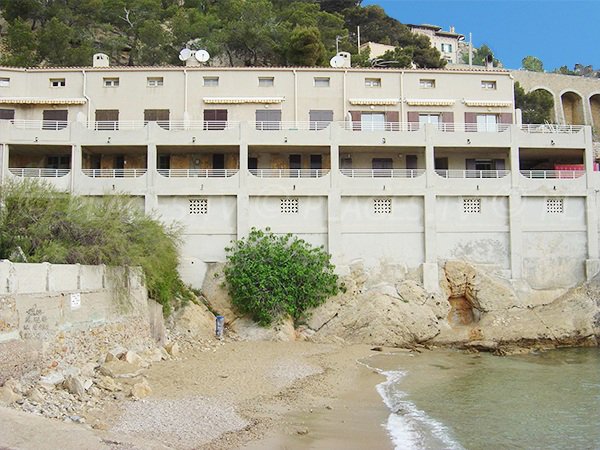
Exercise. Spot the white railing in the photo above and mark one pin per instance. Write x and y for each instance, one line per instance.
(290, 126)
(472, 173)
(552, 174)
(382, 173)
(35, 172)
(473, 127)
(177, 125)
(198, 173)
(382, 126)
(289, 173)
(52, 125)
(551, 128)
(116, 125)
(114, 173)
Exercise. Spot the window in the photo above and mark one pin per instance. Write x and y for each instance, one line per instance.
(215, 119)
(266, 81)
(160, 116)
(372, 121)
(554, 206)
(320, 119)
(107, 119)
(57, 82)
(111, 82)
(198, 206)
(58, 162)
(289, 206)
(429, 118)
(373, 82)
(446, 48)
(211, 81)
(382, 205)
(54, 119)
(472, 205)
(268, 119)
(155, 81)
(4, 82)
(7, 114)
(322, 81)
(487, 122)
(426, 83)
(487, 84)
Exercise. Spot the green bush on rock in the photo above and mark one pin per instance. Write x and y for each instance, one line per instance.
(269, 276)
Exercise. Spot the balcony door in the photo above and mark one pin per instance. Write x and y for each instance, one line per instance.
(372, 121)
(268, 119)
(487, 122)
(215, 119)
(107, 119)
(320, 119)
(54, 119)
(160, 116)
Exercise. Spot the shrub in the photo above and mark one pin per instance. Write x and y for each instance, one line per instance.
(269, 276)
(45, 225)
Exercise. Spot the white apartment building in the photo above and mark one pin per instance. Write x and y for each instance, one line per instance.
(395, 168)
(447, 42)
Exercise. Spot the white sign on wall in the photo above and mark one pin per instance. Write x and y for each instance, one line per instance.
(76, 300)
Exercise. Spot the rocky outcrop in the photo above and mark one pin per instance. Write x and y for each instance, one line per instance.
(194, 320)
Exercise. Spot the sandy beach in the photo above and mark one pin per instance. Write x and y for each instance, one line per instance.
(235, 395)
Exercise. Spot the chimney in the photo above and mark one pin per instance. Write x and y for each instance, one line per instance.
(489, 61)
(100, 60)
(451, 29)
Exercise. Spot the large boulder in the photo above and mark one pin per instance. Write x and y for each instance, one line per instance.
(248, 330)
(194, 320)
(216, 294)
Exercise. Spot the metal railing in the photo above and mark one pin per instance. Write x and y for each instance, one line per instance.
(176, 125)
(116, 125)
(379, 126)
(114, 173)
(290, 125)
(289, 173)
(197, 173)
(473, 127)
(51, 125)
(472, 173)
(551, 128)
(552, 174)
(38, 172)
(382, 173)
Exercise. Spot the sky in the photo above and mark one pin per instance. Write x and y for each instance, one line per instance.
(559, 32)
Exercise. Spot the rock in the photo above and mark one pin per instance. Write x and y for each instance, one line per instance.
(172, 348)
(302, 431)
(14, 385)
(35, 395)
(216, 294)
(120, 369)
(141, 390)
(152, 355)
(89, 369)
(249, 330)
(115, 354)
(195, 321)
(132, 358)
(8, 396)
(52, 379)
(74, 385)
(109, 384)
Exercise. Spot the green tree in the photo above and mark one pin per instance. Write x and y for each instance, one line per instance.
(58, 45)
(479, 56)
(532, 64)
(305, 47)
(21, 45)
(270, 276)
(535, 106)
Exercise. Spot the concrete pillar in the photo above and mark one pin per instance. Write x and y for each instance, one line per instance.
(429, 156)
(515, 173)
(334, 154)
(334, 225)
(588, 156)
(76, 166)
(3, 161)
(430, 267)
(515, 234)
(243, 214)
(151, 199)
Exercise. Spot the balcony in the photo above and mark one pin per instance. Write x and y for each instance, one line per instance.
(198, 173)
(485, 181)
(192, 181)
(558, 136)
(553, 174)
(472, 173)
(39, 130)
(174, 125)
(101, 181)
(289, 180)
(114, 173)
(58, 178)
(354, 181)
(554, 181)
(382, 173)
(289, 173)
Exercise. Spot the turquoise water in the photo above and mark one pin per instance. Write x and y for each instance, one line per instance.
(448, 399)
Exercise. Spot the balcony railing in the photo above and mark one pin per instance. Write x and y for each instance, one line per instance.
(290, 126)
(552, 174)
(52, 125)
(473, 127)
(35, 172)
(176, 125)
(116, 125)
(114, 173)
(289, 173)
(197, 173)
(551, 128)
(379, 126)
(472, 173)
(382, 173)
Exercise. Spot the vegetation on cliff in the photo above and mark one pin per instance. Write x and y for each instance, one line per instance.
(40, 224)
(237, 32)
(536, 106)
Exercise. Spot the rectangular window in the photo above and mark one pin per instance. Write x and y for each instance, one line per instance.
(382, 205)
(211, 81)
(372, 82)
(487, 122)
(57, 82)
(266, 81)
(554, 206)
(320, 119)
(322, 81)
(7, 114)
(164, 162)
(198, 206)
(472, 205)
(289, 206)
(160, 116)
(155, 81)
(111, 82)
(107, 119)
(54, 119)
(372, 121)
(426, 83)
(268, 119)
(4, 82)
(488, 84)
(429, 118)
(215, 119)
(446, 48)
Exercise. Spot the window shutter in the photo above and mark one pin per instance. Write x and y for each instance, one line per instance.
(470, 164)
(356, 116)
(413, 120)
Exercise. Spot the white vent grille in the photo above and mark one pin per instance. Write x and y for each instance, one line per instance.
(472, 205)
(289, 206)
(382, 205)
(555, 206)
(198, 206)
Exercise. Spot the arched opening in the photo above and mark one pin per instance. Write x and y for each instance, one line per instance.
(595, 109)
(572, 106)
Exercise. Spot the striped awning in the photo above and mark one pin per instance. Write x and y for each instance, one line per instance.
(430, 101)
(488, 103)
(374, 101)
(240, 100)
(42, 101)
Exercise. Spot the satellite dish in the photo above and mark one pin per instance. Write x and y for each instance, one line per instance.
(337, 61)
(202, 56)
(185, 54)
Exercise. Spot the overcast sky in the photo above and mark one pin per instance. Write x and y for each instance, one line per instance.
(558, 32)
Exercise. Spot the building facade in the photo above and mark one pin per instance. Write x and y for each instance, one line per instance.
(400, 169)
(447, 42)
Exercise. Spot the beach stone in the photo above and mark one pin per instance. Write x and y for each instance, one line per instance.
(74, 385)
(8, 396)
(152, 355)
(132, 358)
(195, 321)
(120, 369)
(109, 384)
(172, 348)
(115, 353)
(141, 390)
(35, 395)
(52, 379)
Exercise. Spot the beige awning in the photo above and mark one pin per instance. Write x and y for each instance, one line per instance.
(430, 102)
(488, 103)
(374, 101)
(42, 101)
(240, 100)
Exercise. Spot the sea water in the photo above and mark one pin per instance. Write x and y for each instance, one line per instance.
(452, 400)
